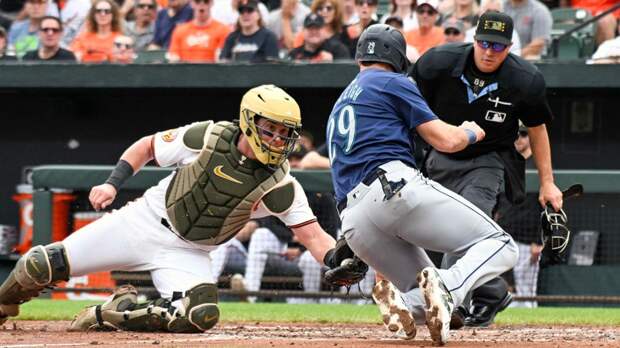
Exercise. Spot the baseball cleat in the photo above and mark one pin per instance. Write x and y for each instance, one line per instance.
(90, 318)
(439, 305)
(7, 311)
(396, 316)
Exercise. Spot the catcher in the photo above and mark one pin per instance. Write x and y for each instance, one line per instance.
(227, 173)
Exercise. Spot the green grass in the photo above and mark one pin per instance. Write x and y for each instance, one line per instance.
(280, 312)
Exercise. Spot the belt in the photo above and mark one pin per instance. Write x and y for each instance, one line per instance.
(368, 179)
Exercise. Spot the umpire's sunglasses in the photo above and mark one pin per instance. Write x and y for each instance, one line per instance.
(495, 46)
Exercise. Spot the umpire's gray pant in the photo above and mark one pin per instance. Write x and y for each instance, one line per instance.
(391, 235)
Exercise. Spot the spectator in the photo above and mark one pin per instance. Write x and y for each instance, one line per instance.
(349, 14)
(454, 30)
(50, 34)
(465, 10)
(367, 11)
(533, 23)
(23, 36)
(73, 15)
(606, 26)
(316, 48)
(495, 5)
(123, 51)
(522, 221)
(331, 11)
(396, 22)
(103, 25)
(251, 41)
(428, 35)
(200, 40)
(225, 11)
(3, 44)
(286, 21)
(177, 12)
(142, 28)
(405, 10)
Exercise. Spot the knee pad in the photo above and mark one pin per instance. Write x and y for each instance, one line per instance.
(198, 311)
(42, 266)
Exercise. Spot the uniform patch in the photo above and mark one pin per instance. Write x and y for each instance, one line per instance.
(494, 25)
(495, 116)
(169, 135)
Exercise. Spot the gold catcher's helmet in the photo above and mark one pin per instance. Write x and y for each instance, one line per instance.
(275, 105)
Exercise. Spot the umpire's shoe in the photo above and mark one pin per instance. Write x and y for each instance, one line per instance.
(396, 316)
(482, 315)
(439, 305)
(7, 311)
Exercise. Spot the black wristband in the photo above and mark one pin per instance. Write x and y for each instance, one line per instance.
(120, 174)
(328, 259)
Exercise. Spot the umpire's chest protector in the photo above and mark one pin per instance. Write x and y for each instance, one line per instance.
(210, 200)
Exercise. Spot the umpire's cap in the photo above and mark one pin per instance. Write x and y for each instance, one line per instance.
(383, 43)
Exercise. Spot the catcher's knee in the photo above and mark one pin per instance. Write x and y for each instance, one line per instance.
(197, 311)
(40, 267)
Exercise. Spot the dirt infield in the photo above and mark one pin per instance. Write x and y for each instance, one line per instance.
(53, 334)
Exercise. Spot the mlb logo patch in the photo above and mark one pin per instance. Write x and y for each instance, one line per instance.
(371, 48)
(495, 116)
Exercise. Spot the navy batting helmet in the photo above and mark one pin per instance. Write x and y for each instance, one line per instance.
(383, 43)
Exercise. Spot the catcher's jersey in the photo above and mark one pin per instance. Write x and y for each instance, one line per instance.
(371, 124)
(169, 150)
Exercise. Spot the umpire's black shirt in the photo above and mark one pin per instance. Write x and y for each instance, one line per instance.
(457, 91)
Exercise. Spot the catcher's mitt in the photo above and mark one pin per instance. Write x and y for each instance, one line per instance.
(555, 236)
(351, 271)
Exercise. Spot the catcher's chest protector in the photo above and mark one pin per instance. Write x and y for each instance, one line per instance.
(210, 200)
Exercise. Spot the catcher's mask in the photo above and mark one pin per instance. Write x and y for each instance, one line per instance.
(274, 139)
(554, 233)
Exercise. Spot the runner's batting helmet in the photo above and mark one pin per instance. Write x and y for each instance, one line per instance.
(385, 44)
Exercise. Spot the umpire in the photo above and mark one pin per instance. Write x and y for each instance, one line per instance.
(483, 82)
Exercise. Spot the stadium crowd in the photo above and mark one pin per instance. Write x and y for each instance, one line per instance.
(209, 31)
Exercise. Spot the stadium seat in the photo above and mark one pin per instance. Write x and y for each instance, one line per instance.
(580, 44)
(151, 57)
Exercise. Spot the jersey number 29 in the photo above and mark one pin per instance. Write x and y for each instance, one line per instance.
(343, 124)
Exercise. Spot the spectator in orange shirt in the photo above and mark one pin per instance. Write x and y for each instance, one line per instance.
(103, 25)
(428, 35)
(200, 40)
(606, 26)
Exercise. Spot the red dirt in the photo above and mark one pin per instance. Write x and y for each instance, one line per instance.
(53, 334)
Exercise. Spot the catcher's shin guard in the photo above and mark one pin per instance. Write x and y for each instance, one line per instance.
(40, 267)
(196, 313)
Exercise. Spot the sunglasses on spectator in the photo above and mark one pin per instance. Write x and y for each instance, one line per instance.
(495, 46)
(522, 133)
(243, 10)
(36, 1)
(367, 2)
(50, 30)
(202, 1)
(103, 10)
(423, 10)
(146, 6)
(327, 8)
(451, 32)
(123, 45)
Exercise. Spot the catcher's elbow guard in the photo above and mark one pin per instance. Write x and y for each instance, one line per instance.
(40, 267)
